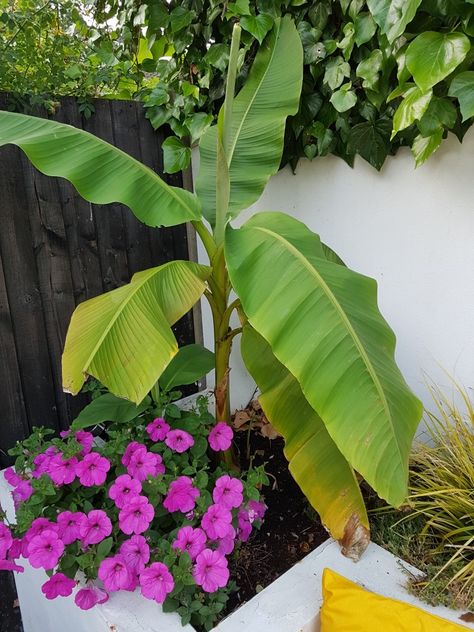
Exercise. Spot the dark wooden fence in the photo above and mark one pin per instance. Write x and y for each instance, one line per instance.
(56, 250)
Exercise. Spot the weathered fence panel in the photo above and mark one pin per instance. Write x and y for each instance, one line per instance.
(57, 250)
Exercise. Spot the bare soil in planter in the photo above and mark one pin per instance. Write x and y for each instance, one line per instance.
(291, 529)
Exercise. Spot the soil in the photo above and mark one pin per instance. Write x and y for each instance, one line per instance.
(291, 529)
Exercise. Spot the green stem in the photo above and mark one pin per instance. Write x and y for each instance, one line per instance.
(224, 134)
(226, 316)
(206, 238)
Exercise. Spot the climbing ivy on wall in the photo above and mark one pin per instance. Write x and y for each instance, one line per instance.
(378, 74)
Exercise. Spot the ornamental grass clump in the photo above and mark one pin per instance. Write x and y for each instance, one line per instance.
(442, 492)
(141, 508)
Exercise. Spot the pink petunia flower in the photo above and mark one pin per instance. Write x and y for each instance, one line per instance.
(114, 573)
(156, 582)
(244, 526)
(136, 516)
(6, 540)
(62, 471)
(69, 524)
(129, 450)
(41, 462)
(181, 495)
(210, 571)
(94, 527)
(9, 565)
(38, 526)
(12, 477)
(179, 440)
(133, 583)
(86, 439)
(220, 437)
(22, 492)
(228, 492)
(87, 598)
(144, 464)
(216, 522)
(58, 586)
(92, 470)
(193, 541)
(16, 549)
(44, 550)
(227, 543)
(136, 553)
(123, 488)
(157, 429)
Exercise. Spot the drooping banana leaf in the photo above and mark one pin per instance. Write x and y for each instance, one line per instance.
(323, 474)
(123, 337)
(270, 94)
(100, 172)
(323, 324)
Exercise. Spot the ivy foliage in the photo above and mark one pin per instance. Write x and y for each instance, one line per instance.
(378, 74)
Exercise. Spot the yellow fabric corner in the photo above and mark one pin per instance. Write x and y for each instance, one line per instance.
(349, 608)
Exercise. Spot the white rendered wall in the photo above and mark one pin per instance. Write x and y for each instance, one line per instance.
(412, 230)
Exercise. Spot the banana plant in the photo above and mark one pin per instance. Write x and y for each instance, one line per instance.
(311, 333)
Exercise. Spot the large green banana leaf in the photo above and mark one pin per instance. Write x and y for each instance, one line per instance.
(123, 337)
(323, 474)
(100, 172)
(270, 94)
(322, 323)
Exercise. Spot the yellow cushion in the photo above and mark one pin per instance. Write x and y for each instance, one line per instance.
(349, 608)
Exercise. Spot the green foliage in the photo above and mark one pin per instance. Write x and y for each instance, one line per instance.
(108, 407)
(49, 49)
(190, 364)
(174, 57)
(316, 323)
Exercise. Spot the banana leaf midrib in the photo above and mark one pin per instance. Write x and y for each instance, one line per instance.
(297, 254)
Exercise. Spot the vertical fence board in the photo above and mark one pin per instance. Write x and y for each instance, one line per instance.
(57, 250)
(13, 406)
(21, 277)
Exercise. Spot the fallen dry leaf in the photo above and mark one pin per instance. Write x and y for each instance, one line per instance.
(268, 431)
(241, 417)
(468, 617)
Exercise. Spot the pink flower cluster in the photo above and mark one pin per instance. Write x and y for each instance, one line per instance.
(141, 463)
(177, 440)
(208, 544)
(209, 538)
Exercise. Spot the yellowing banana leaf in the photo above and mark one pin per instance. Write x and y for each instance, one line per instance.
(322, 323)
(124, 338)
(323, 474)
(100, 172)
(270, 94)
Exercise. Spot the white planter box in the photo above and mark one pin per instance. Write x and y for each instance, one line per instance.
(289, 604)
